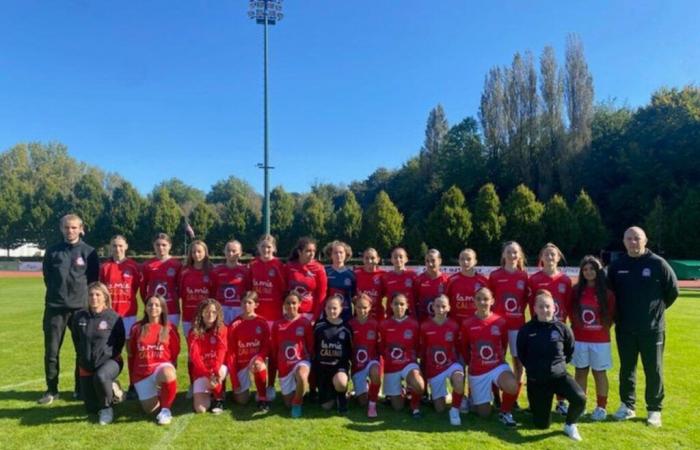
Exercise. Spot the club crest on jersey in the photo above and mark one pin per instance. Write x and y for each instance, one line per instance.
(299, 331)
(212, 340)
(449, 336)
(271, 272)
(205, 278)
(562, 288)
(408, 334)
(127, 273)
(646, 272)
(477, 286)
(495, 331)
(102, 325)
(341, 335)
(520, 284)
(377, 281)
(348, 282)
(171, 272)
(258, 330)
(371, 334)
(408, 282)
(555, 336)
(79, 261)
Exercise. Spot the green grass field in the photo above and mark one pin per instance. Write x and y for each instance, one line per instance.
(64, 424)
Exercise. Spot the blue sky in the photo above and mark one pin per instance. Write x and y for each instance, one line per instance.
(161, 89)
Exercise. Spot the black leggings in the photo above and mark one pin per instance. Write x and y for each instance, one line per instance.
(97, 388)
(540, 397)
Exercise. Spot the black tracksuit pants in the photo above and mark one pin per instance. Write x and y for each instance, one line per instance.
(651, 348)
(540, 396)
(96, 389)
(55, 322)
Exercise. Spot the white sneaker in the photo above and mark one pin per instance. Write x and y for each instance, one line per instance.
(270, 393)
(47, 398)
(572, 432)
(106, 416)
(654, 419)
(507, 419)
(454, 417)
(465, 405)
(164, 417)
(117, 392)
(599, 414)
(624, 413)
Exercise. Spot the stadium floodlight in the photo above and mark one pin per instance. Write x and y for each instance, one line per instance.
(265, 12)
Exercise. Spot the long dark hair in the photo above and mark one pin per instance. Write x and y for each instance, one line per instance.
(198, 326)
(164, 323)
(601, 290)
(300, 246)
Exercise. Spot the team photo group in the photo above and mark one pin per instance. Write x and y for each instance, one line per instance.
(337, 335)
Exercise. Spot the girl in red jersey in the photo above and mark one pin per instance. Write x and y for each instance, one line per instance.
(207, 353)
(291, 349)
(365, 354)
(370, 281)
(160, 276)
(592, 313)
(248, 348)
(153, 348)
(558, 284)
(438, 344)
(230, 281)
(400, 281)
(267, 276)
(341, 278)
(509, 287)
(463, 285)
(484, 338)
(430, 284)
(307, 277)
(195, 284)
(398, 345)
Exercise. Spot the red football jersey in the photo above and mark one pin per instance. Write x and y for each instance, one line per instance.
(372, 284)
(268, 280)
(159, 277)
(404, 283)
(310, 282)
(230, 284)
(559, 286)
(461, 290)
(146, 352)
(365, 343)
(484, 343)
(587, 326)
(207, 352)
(195, 286)
(428, 289)
(247, 339)
(292, 341)
(510, 292)
(438, 344)
(398, 343)
(123, 280)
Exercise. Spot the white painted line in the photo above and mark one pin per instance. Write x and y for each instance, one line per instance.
(8, 387)
(176, 428)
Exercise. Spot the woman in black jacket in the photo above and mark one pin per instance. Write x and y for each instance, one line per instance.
(545, 347)
(100, 337)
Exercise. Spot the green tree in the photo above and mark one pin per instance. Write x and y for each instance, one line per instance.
(282, 206)
(88, 200)
(184, 195)
(460, 160)
(560, 225)
(450, 223)
(383, 224)
(657, 226)
(164, 215)
(348, 219)
(523, 215)
(685, 226)
(126, 207)
(313, 218)
(488, 221)
(202, 219)
(592, 233)
(11, 211)
(551, 124)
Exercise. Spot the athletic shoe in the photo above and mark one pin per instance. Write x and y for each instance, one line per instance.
(416, 414)
(507, 419)
(562, 408)
(654, 419)
(217, 407)
(296, 411)
(48, 398)
(372, 410)
(624, 413)
(465, 406)
(106, 416)
(117, 392)
(131, 393)
(572, 432)
(164, 417)
(342, 408)
(599, 414)
(263, 406)
(454, 417)
(270, 393)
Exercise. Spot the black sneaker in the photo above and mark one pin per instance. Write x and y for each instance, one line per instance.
(131, 393)
(217, 407)
(263, 406)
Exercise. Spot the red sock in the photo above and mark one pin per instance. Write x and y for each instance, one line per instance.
(415, 401)
(507, 402)
(167, 394)
(297, 399)
(260, 384)
(602, 401)
(457, 400)
(218, 391)
(373, 394)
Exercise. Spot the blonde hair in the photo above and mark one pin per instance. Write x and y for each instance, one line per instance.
(552, 246)
(98, 286)
(521, 254)
(328, 249)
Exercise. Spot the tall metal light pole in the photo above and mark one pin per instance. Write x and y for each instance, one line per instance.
(265, 12)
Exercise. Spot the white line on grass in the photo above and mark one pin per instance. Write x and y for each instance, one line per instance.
(179, 425)
(8, 387)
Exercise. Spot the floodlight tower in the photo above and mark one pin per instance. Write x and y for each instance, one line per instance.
(265, 12)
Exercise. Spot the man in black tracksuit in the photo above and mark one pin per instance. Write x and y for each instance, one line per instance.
(545, 346)
(68, 268)
(644, 286)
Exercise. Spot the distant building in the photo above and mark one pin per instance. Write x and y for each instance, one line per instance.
(25, 251)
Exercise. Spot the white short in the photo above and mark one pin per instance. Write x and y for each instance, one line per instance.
(288, 383)
(359, 379)
(596, 355)
(148, 387)
(512, 342)
(244, 377)
(186, 327)
(174, 319)
(480, 385)
(129, 322)
(392, 381)
(438, 384)
(231, 313)
(201, 385)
